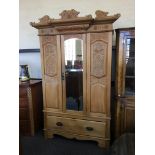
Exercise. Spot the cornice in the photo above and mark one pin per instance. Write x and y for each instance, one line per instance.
(70, 17)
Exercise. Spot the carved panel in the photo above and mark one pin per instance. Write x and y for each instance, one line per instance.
(49, 39)
(100, 36)
(98, 59)
(98, 98)
(52, 94)
(94, 80)
(48, 31)
(50, 58)
(96, 28)
(74, 28)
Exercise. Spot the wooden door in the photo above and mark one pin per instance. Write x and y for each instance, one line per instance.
(128, 115)
(51, 72)
(99, 48)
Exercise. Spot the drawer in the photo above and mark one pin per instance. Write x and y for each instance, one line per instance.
(78, 126)
(23, 92)
(23, 103)
(23, 114)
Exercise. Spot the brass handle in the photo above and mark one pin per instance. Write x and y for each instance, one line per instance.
(89, 128)
(59, 124)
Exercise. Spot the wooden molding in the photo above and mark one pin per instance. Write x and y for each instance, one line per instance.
(70, 17)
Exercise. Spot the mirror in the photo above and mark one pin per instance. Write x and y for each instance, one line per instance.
(74, 73)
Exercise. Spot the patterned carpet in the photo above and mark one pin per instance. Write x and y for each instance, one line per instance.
(38, 145)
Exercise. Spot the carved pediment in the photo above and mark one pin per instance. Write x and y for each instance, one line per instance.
(45, 20)
(70, 17)
(69, 14)
(102, 15)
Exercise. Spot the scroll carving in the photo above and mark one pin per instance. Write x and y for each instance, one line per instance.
(50, 60)
(98, 59)
(70, 17)
(45, 20)
(100, 14)
(69, 14)
(103, 15)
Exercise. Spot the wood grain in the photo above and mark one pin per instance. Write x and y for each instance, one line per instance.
(93, 123)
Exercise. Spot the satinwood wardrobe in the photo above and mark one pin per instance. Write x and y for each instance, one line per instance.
(76, 74)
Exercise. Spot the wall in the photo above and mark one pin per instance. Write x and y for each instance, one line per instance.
(30, 11)
(34, 63)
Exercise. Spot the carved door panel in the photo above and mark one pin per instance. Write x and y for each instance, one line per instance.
(99, 73)
(51, 69)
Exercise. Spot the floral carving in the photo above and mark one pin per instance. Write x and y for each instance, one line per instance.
(45, 20)
(50, 59)
(98, 50)
(102, 14)
(69, 14)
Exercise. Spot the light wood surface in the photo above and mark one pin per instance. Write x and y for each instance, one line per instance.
(93, 122)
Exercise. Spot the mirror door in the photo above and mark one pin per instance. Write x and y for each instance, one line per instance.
(73, 72)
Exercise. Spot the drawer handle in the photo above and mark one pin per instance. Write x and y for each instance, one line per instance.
(59, 124)
(89, 128)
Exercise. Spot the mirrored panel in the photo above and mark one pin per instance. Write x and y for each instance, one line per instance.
(74, 74)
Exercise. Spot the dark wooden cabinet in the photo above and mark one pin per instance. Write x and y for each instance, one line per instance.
(30, 107)
(125, 81)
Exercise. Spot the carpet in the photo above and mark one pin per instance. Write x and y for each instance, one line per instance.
(58, 145)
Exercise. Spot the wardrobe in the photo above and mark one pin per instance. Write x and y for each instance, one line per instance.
(76, 74)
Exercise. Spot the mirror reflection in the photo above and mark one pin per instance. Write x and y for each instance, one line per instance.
(74, 74)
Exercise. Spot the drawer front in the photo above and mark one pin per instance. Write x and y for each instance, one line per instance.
(23, 92)
(23, 114)
(78, 126)
(23, 103)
